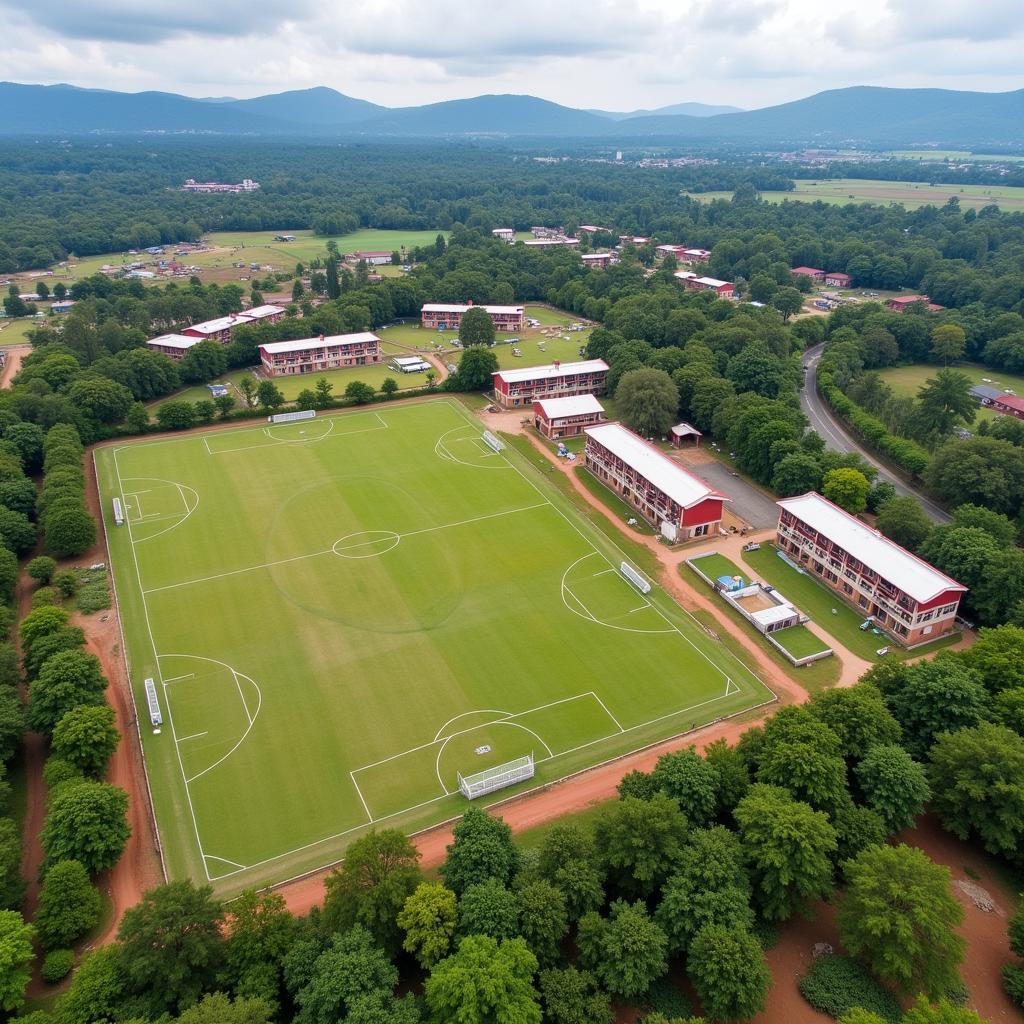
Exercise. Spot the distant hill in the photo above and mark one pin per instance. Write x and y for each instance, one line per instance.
(487, 115)
(690, 109)
(319, 106)
(862, 115)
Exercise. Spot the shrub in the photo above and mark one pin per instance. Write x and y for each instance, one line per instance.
(667, 999)
(41, 569)
(44, 596)
(66, 582)
(58, 770)
(835, 984)
(1013, 982)
(57, 965)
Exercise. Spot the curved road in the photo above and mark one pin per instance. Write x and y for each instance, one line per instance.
(832, 430)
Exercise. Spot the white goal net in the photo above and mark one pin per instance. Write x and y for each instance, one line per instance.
(493, 441)
(291, 417)
(498, 777)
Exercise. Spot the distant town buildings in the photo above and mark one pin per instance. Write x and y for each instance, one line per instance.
(694, 282)
(245, 185)
(371, 257)
(505, 234)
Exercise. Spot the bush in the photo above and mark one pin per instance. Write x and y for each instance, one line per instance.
(41, 569)
(1013, 982)
(835, 984)
(44, 596)
(667, 999)
(57, 965)
(66, 582)
(58, 770)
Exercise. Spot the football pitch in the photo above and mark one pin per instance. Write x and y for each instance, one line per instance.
(343, 614)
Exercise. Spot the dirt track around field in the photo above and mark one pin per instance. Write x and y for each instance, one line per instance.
(12, 364)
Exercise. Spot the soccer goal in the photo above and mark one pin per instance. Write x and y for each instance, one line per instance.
(493, 441)
(636, 578)
(291, 417)
(498, 777)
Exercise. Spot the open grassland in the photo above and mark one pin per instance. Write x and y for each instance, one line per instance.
(908, 380)
(341, 615)
(843, 191)
(954, 154)
(15, 332)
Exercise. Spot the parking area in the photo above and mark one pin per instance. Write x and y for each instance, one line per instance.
(757, 509)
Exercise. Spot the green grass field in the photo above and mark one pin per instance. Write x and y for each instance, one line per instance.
(954, 154)
(342, 614)
(799, 641)
(908, 380)
(715, 565)
(15, 332)
(912, 194)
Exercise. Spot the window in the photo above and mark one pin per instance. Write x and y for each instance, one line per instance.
(700, 531)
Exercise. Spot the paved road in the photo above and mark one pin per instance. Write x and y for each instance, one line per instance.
(753, 506)
(825, 423)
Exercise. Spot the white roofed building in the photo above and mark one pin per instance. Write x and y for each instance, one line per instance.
(174, 346)
(515, 388)
(558, 418)
(662, 491)
(264, 314)
(447, 316)
(904, 595)
(219, 329)
(312, 355)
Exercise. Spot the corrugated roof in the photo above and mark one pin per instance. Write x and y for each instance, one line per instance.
(174, 341)
(653, 465)
(575, 405)
(258, 312)
(984, 391)
(909, 573)
(220, 324)
(332, 341)
(1011, 402)
(546, 372)
(444, 307)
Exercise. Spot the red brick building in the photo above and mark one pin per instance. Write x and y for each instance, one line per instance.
(310, 355)
(668, 496)
(904, 595)
(174, 346)
(448, 316)
(812, 272)
(901, 303)
(600, 260)
(1011, 405)
(516, 388)
(217, 330)
(371, 257)
(567, 417)
(837, 280)
(696, 283)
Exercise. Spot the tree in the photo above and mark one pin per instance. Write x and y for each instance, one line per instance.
(489, 908)
(333, 284)
(895, 786)
(67, 680)
(729, 973)
(97, 988)
(87, 737)
(903, 520)
(732, 772)
(322, 389)
(943, 1012)
(217, 1008)
(638, 841)
(69, 905)
(686, 777)
(573, 997)
(476, 365)
(848, 488)
(269, 395)
(482, 849)
(858, 716)
(476, 327)
(172, 943)
(788, 301)
(12, 885)
(16, 956)
(224, 404)
(943, 402)
(998, 526)
(16, 532)
(41, 569)
(977, 781)
(388, 387)
(568, 860)
(809, 772)
(350, 968)
(247, 386)
(626, 951)
(87, 823)
(900, 918)
(648, 401)
(428, 920)
(948, 342)
(176, 415)
(485, 982)
(687, 906)
(379, 873)
(359, 392)
(543, 919)
(796, 473)
(788, 846)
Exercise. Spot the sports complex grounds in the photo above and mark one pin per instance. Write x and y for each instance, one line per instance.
(343, 615)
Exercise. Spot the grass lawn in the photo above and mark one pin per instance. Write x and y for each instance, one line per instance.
(619, 508)
(912, 194)
(363, 588)
(817, 601)
(715, 565)
(799, 641)
(908, 380)
(15, 332)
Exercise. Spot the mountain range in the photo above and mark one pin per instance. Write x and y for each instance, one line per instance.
(860, 115)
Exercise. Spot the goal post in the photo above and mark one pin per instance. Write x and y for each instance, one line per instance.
(493, 441)
(291, 417)
(498, 777)
(636, 578)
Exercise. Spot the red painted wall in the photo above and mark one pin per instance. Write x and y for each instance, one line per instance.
(707, 511)
(949, 597)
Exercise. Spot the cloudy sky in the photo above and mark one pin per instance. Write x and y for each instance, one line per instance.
(615, 54)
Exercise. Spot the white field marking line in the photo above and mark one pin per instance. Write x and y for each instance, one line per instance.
(224, 860)
(178, 679)
(443, 452)
(156, 657)
(606, 711)
(194, 736)
(242, 697)
(330, 550)
(500, 721)
(180, 517)
(277, 441)
(466, 714)
(586, 613)
(603, 572)
(362, 799)
(473, 728)
(302, 440)
(157, 517)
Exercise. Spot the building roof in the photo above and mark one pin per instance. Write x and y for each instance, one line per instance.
(1010, 402)
(909, 573)
(905, 300)
(696, 252)
(331, 341)
(258, 312)
(174, 341)
(442, 307)
(837, 274)
(370, 252)
(575, 405)
(713, 282)
(685, 430)
(984, 391)
(222, 323)
(776, 613)
(596, 256)
(551, 370)
(809, 271)
(409, 361)
(653, 464)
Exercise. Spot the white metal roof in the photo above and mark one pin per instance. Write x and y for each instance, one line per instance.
(777, 613)
(444, 307)
(685, 275)
(221, 323)
(409, 361)
(712, 282)
(332, 341)
(909, 573)
(685, 430)
(174, 341)
(258, 312)
(654, 465)
(596, 256)
(545, 372)
(574, 405)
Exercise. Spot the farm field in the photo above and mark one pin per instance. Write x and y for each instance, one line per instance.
(336, 614)
(908, 380)
(843, 191)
